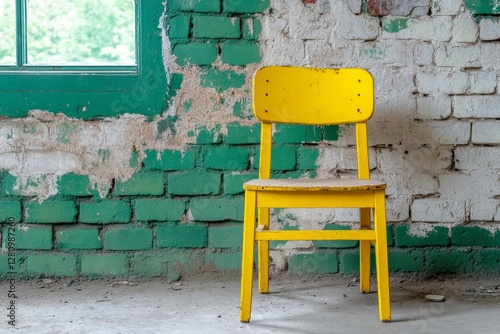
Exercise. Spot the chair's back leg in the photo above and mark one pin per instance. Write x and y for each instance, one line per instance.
(263, 252)
(364, 252)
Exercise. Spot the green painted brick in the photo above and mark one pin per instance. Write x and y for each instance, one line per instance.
(223, 261)
(195, 53)
(406, 261)
(243, 109)
(181, 235)
(306, 157)
(331, 132)
(194, 183)
(296, 134)
(159, 209)
(251, 29)
(75, 185)
(221, 80)
(394, 25)
(438, 236)
(149, 264)
(247, 6)
(10, 186)
(282, 158)
(240, 54)
(51, 212)
(52, 264)
(242, 134)
(169, 159)
(336, 243)
(233, 158)
(349, 262)
(216, 27)
(488, 259)
(19, 266)
(29, 237)
(233, 182)
(207, 136)
(179, 26)
(201, 6)
(217, 209)
(141, 184)
(225, 236)
(127, 238)
(104, 265)
(453, 261)
(105, 212)
(10, 209)
(320, 262)
(78, 238)
(472, 236)
(489, 7)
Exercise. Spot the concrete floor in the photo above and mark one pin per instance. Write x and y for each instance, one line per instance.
(209, 304)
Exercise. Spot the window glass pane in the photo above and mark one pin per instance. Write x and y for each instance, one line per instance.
(76, 32)
(8, 32)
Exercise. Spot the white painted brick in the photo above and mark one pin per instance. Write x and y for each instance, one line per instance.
(408, 184)
(51, 162)
(490, 55)
(435, 210)
(448, 82)
(434, 133)
(396, 53)
(477, 158)
(320, 53)
(497, 215)
(447, 7)
(433, 107)
(483, 82)
(489, 29)
(355, 6)
(465, 30)
(455, 185)
(477, 106)
(458, 56)
(288, 51)
(358, 27)
(309, 24)
(331, 158)
(395, 160)
(483, 210)
(423, 54)
(431, 28)
(385, 133)
(9, 161)
(398, 209)
(25, 133)
(486, 132)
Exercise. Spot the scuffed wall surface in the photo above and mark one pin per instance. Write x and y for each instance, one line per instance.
(163, 196)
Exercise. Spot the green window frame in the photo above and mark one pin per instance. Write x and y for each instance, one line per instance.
(90, 92)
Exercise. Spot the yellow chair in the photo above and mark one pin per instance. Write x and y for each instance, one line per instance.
(314, 96)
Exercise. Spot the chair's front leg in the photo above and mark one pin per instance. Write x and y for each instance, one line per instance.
(263, 252)
(364, 252)
(247, 256)
(381, 257)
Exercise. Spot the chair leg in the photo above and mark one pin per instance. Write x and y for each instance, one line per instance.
(364, 252)
(247, 256)
(263, 253)
(381, 257)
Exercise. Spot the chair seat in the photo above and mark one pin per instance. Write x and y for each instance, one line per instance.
(314, 185)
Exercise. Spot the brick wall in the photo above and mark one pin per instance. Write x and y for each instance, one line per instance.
(163, 196)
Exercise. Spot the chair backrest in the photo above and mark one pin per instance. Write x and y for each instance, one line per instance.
(313, 96)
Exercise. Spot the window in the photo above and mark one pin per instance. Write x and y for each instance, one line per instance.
(84, 58)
